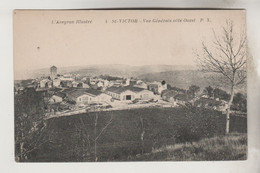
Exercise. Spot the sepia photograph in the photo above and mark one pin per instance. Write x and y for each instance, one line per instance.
(130, 85)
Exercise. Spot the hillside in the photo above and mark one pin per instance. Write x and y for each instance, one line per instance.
(185, 78)
(111, 69)
(70, 138)
(230, 147)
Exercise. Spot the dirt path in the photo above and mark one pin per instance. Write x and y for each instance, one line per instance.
(115, 107)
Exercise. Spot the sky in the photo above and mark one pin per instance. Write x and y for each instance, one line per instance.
(39, 42)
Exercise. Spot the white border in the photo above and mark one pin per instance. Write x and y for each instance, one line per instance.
(6, 118)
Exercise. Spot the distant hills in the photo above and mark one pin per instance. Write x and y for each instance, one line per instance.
(181, 76)
(185, 78)
(111, 69)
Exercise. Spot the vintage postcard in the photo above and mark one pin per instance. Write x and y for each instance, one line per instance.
(130, 85)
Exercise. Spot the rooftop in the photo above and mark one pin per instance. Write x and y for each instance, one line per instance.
(79, 92)
(93, 91)
(209, 101)
(60, 94)
(68, 90)
(169, 93)
(53, 67)
(119, 90)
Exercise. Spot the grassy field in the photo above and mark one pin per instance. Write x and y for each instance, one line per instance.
(71, 138)
(230, 147)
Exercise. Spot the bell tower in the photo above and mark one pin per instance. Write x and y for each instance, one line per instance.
(53, 72)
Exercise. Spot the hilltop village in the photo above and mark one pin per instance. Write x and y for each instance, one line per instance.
(69, 94)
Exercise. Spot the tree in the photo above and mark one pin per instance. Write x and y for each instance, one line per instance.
(209, 91)
(97, 132)
(226, 57)
(239, 102)
(193, 89)
(29, 123)
(221, 94)
(142, 134)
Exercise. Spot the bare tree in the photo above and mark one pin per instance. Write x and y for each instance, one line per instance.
(142, 134)
(97, 132)
(30, 126)
(226, 56)
(29, 139)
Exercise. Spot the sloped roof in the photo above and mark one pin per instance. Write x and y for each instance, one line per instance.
(169, 93)
(76, 93)
(53, 67)
(119, 90)
(68, 90)
(84, 83)
(93, 92)
(45, 80)
(56, 96)
(60, 94)
(208, 101)
(79, 92)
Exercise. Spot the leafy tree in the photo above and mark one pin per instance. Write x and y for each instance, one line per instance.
(109, 78)
(179, 90)
(209, 91)
(193, 90)
(221, 94)
(238, 98)
(227, 58)
(240, 102)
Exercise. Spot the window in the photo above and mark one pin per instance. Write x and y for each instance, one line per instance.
(128, 97)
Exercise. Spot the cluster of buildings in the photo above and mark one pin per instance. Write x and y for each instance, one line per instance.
(88, 90)
(181, 97)
(61, 81)
(74, 89)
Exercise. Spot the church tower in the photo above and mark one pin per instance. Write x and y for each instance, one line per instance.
(53, 72)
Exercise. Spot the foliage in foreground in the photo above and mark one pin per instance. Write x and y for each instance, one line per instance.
(132, 132)
(230, 147)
